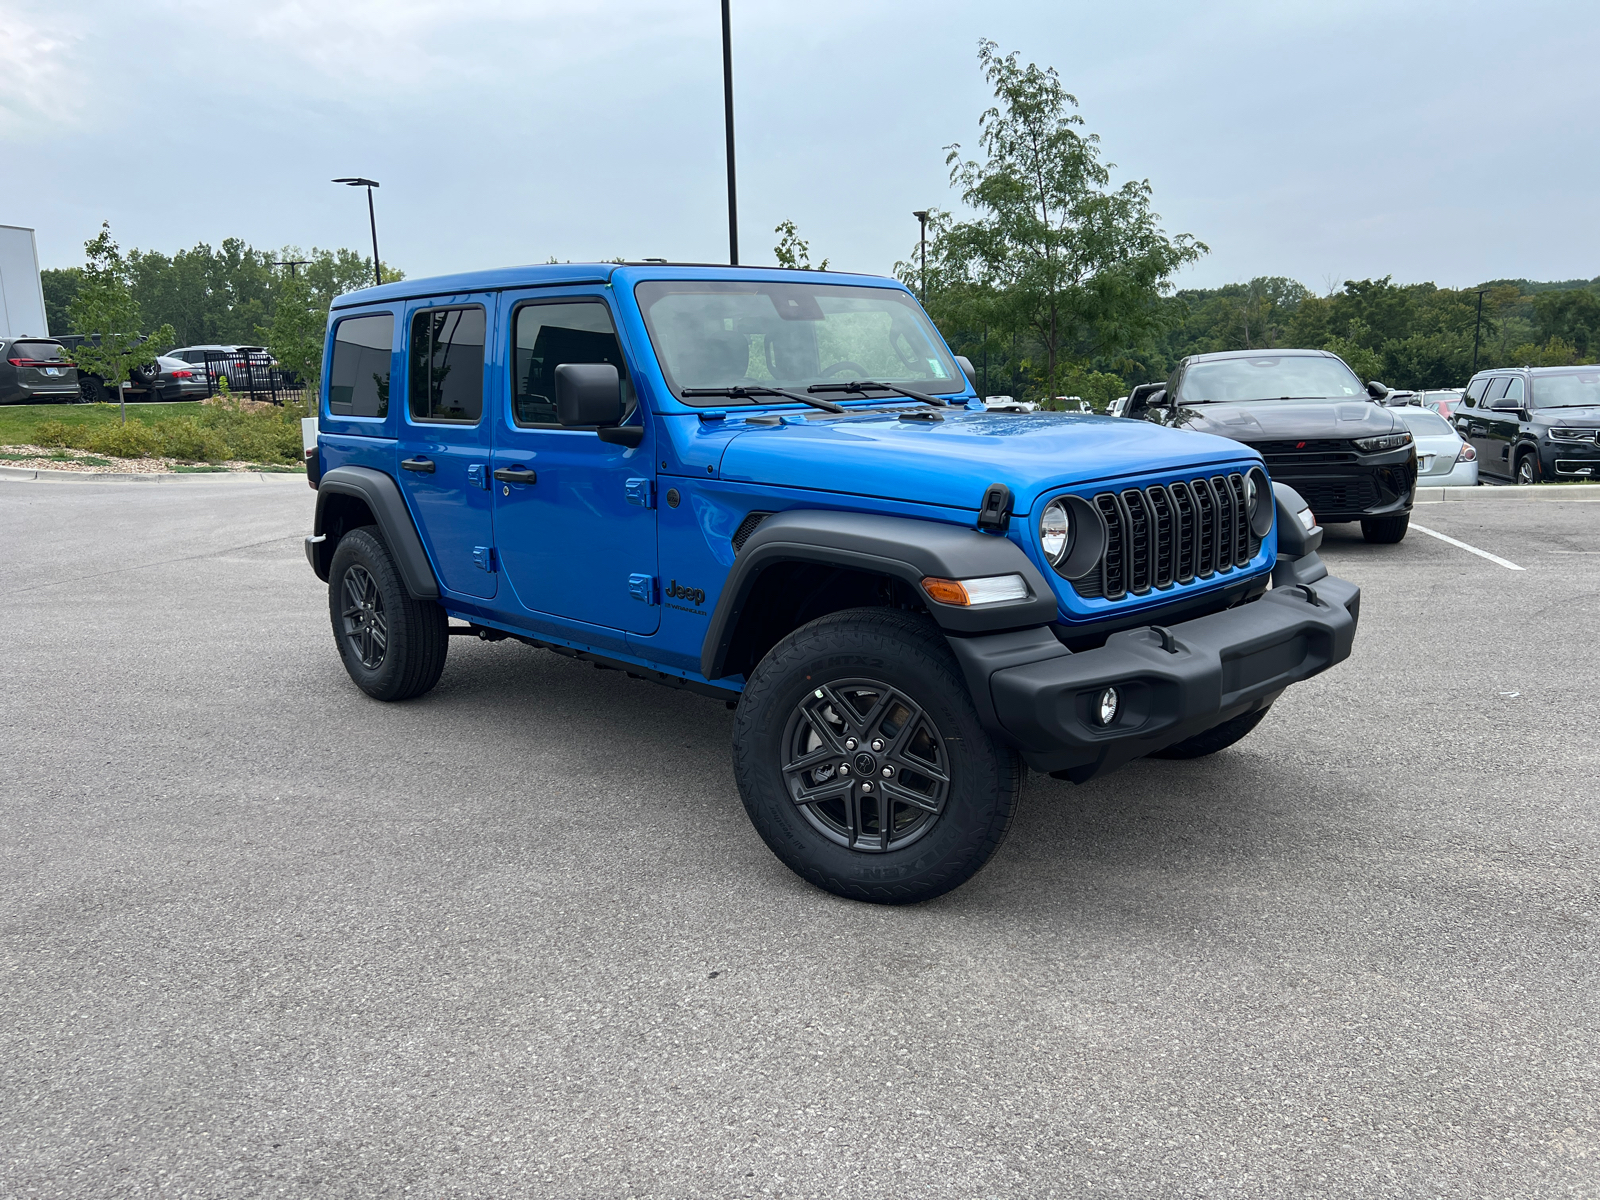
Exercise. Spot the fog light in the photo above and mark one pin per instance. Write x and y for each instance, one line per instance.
(1106, 710)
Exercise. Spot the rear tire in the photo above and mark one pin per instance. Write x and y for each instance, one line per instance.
(1386, 530)
(393, 645)
(825, 713)
(1218, 737)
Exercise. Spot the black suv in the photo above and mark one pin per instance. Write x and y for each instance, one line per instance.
(1319, 429)
(1534, 423)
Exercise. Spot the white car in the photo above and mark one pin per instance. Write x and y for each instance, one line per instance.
(1443, 458)
(1007, 404)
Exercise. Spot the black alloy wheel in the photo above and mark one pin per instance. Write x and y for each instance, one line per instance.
(865, 765)
(366, 627)
(392, 644)
(1527, 470)
(91, 391)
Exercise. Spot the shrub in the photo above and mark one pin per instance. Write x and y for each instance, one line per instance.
(52, 433)
(187, 438)
(133, 440)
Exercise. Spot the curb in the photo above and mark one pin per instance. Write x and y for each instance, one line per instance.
(43, 475)
(1539, 493)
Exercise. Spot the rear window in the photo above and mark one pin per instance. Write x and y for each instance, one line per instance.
(1426, 424)
(38, 351)
(358, 378)
(447, 365)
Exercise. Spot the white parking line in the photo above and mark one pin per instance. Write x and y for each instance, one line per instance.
(1444, 537)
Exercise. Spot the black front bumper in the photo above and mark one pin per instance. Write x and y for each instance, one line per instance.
(1041, 697)
(1367, 486)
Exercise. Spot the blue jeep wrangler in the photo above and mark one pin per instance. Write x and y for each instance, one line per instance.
(779, 489)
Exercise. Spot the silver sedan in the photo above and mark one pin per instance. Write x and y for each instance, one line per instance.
(1443, 458)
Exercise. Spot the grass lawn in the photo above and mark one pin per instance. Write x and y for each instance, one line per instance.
(18, 421)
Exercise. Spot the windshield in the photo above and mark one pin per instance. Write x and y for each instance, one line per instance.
(1578, 390)
(1424, 423)
(1292, 377)
(719, 334)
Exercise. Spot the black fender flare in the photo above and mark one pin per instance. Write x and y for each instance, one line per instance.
(382, 495)
(903, 548)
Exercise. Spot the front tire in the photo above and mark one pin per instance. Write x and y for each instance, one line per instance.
(1528, 469)
(826, 713)
(393, 645)
(1218, 737)
(1385, 531)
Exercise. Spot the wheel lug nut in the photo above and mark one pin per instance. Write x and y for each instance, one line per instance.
(844, 768)
(866, 787)
(850, 743)
(877, 743)
(888, 771)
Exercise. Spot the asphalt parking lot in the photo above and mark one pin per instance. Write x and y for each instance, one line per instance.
(264, 936)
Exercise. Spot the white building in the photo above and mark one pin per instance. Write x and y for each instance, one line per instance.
(21, 293)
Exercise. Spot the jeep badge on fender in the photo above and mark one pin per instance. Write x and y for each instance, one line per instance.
(907, 611)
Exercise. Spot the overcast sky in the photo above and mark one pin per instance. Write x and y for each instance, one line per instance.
(1452, 142)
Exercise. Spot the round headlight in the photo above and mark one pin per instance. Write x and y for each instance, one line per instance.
(1259, 501)
(1055, 531)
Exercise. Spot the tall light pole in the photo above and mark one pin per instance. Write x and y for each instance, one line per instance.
(1477, 326)
(292, 263)
(369, 184)
(922, 217)
(727, 107)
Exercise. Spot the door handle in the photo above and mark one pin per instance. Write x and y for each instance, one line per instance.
(417, 464)
(516, 475)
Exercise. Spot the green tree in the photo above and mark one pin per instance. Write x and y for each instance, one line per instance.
(106, 311)
(792, 250)
(60, 286)
(1054, 248)
(299, 323)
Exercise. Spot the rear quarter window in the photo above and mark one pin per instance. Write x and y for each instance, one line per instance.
(358, 376)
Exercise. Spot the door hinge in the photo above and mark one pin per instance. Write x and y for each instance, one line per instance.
(478, 474)
(485, 557)
(644, 588)
(641, 492)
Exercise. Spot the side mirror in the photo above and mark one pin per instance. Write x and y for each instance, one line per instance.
(965, 364)
(588, 394)
(1376, 390)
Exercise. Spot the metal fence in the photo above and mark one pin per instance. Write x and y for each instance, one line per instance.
(250, 374)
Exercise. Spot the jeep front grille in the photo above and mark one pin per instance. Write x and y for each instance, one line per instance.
(1170, 533)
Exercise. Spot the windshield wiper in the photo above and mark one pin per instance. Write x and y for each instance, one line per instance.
(750, 393)
(861, 386)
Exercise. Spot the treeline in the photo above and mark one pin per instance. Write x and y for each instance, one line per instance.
(1407, 335)
(228, 296)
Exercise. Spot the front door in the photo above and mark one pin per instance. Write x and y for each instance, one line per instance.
(574, 517)
(444, 441)
(1505, 420)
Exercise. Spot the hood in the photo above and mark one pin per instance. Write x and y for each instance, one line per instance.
(1283, 420)
(1589, 415)
(953, 461)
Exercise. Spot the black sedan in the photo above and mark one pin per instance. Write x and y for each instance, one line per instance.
(1313, 422)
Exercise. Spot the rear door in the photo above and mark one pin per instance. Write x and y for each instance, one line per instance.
(444, 439)
(574, 517)
(1480, 426)
(1504, 419)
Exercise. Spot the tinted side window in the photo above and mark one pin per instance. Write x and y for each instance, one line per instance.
(1514, 389)
(1497, 388)
(447, 365)
(547, 335)
(1475, 391)
(358, 378)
